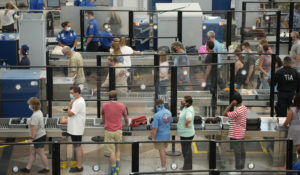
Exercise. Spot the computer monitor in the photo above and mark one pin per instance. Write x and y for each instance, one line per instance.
(22, 3)
(53, 3)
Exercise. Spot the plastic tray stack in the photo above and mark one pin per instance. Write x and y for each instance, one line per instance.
(212, 126)
(51, 123)
(4, 123)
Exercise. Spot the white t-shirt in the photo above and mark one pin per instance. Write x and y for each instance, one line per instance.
(126, 51)
(127, 59)
(76, 123)
(164, 70)
(7, 19)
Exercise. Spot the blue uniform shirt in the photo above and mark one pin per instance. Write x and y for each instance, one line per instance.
(87, 3)
(79, 2)
(66, 38)
(296, 166)
(162, 121)
(106, 41)
(93, 29)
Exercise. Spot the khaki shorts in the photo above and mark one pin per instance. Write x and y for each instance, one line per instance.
(115, 136)
(160, 146)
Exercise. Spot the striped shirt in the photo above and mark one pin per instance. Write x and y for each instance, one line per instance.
(237, 123)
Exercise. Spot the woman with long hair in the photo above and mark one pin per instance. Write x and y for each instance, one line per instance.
(7, 18)
(240, 71)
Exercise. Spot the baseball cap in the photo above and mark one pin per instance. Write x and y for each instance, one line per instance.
(25, 48)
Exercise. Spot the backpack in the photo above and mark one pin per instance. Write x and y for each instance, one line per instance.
(139, 120)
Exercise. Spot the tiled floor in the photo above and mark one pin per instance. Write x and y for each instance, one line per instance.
(149, 158)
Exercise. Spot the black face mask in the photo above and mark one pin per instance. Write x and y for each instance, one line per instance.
(174, 50)
(182, 106)
(114, 99)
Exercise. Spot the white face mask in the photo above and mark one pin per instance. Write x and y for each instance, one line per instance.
(109, 29)
(297, 156)
(86, 17)
(68, 29)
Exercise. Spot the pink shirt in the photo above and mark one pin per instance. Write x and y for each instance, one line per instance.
(112, 112)
(237, 122)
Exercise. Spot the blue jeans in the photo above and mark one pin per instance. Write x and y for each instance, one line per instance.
(162, 87)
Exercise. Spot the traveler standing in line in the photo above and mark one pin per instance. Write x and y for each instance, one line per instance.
(38, 134)
(161, 130)
(186, 131)
(112, 113)
(237, 129)
(76, 125)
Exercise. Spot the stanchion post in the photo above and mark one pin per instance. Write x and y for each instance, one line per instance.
(156, 74)
(112, 78)
(212, 156)
(289, 154)
(130, 29)
(244, 5)
(231, 85)
(135, 151)
(291, 22)
(81, 29)
(173, 152)
(179, 26)
(272, 85)
(98, 86)
(214, 83)
(56, 158)
(228, 29)
(278, 18)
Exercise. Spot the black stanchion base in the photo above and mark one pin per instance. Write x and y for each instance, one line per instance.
(150, 137)
(173, 153)
(98, 139)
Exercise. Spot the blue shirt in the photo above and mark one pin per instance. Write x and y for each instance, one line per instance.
(25, 62)
(219, 48)
(66, 38)
(36, 5)
(88, 4)
(162, 121)
(106, 41)
(93, 29)
(296, 20)
(182, 60)
(296, 166)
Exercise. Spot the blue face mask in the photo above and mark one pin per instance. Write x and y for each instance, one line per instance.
(114, 99)
(30, 107)
(71, 96)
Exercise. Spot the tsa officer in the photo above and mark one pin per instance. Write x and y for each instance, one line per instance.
(87, 3)
(92, 33)
(67, 36)
(106, 38)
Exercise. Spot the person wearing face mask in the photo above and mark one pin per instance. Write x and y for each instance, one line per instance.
(38, 134)
(296, 19)
(106, 38)
(183, 73)
(92, 33)
(186, 131)
(112, 113)
(67, 36)
(24, 59)
(296, 165)
(75, 66)
(161, 131)
(295, 50)
(76, 124)
(120, 75)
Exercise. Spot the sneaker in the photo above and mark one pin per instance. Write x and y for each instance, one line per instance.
(161, 169)
(114, 171)
(25, 170)
(44, 171)
(75, 170)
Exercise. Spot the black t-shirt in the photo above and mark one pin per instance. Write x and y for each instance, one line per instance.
(210, 59)
(287, 79)
(249, 61)
(25, 62)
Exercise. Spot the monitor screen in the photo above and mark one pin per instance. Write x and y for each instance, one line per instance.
(53, 3)
(22, 3)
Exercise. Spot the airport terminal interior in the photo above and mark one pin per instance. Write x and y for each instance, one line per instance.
(211, 51)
